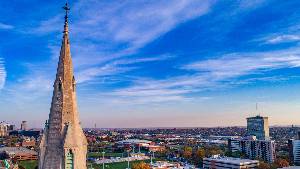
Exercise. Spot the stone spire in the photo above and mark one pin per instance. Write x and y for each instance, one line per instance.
(63, 144)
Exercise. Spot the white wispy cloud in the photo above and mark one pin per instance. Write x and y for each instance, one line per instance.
(2, 73)
(5, 26)
(47, 26)
(283, 39)
(108, 31)
(212, 74)
(118, 66)
(239, 64)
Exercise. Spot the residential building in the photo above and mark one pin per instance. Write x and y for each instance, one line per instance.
(254, 149)
(234, 145)
(294, 146)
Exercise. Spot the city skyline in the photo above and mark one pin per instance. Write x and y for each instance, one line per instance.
(140, 64)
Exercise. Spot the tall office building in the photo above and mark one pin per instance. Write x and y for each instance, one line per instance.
(258, 126)
(63, 144)
(24, 125)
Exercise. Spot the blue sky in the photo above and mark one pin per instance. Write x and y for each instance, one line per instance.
(177, 63)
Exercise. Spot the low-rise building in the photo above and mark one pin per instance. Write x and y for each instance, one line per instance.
(217, 162)
(165, 165)
(19, 153)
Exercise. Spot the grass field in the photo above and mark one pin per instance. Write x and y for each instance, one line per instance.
(121, 165)
(28, 164)
(99, 154)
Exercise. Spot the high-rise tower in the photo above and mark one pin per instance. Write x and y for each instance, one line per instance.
(63, 144)
(258, 126)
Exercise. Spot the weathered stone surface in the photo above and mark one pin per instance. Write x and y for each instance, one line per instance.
(63, 144)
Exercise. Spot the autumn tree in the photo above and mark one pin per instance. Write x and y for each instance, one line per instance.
(280, 163)
(263, 165)
(141, 165)
(198, 156)
(187, 152)
(213, 151)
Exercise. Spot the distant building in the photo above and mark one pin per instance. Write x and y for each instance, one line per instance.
(155, 148)
(254, 149)
(24, 125)
(218, 162)
(19, 153)
(11, 127)
(3, 130)
(258, 126)
(165, 165)
(27, 133)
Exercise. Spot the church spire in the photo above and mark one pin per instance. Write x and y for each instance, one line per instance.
(63, 145)
(66, 27)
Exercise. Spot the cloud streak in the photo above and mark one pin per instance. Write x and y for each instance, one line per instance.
(212, 74)
(4, 26)
(119, 29)
(240, 64)
(283, 39)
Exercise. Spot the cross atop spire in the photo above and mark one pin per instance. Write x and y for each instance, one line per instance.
(66, 8)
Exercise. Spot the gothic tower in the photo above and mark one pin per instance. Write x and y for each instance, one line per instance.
(63, 144)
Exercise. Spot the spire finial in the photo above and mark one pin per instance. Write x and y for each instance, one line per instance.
(66, 8)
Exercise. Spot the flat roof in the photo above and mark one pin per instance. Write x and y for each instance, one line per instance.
(17, 150)
(231, 160)
(134, 141)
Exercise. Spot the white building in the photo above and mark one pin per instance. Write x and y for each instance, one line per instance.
(218, 162)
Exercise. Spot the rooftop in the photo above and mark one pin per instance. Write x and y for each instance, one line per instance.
(17, 150)
(134, 141)
(231, 160)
